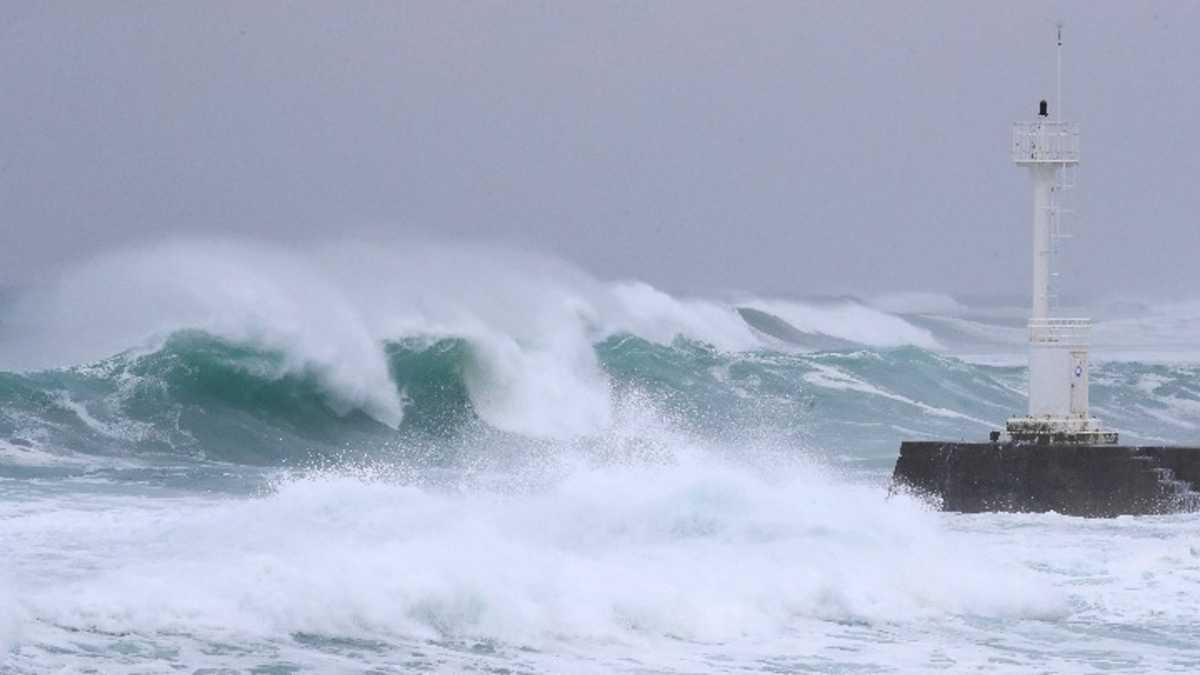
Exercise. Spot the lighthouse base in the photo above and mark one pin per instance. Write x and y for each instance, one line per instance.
(1075, 429)
(1072, 479)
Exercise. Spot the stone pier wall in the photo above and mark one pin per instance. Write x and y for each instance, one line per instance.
(1080, 480)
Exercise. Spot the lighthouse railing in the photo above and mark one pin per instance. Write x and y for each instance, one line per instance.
(1045, 142)
(1065, 332)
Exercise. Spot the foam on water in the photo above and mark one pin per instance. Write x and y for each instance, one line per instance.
(11, 615)
(528, 469)
(695, 549)
(671, 563)
(531, 321)
(847, 320)
(829, 377)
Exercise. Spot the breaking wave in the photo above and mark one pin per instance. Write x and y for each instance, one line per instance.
(206, 397)
(231, 455)
(236, 352)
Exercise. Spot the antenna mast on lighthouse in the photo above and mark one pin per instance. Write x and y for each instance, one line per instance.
(1058, 101)
(1058, 347)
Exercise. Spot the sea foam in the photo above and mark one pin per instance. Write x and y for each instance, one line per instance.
(695, 549)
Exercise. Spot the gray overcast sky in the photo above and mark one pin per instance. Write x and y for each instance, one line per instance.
(782, 147)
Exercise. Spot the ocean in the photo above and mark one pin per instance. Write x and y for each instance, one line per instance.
(228, 457)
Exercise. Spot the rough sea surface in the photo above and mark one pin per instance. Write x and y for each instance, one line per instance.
(220, 458)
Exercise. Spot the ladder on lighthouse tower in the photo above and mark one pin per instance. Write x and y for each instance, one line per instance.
(1060, 213)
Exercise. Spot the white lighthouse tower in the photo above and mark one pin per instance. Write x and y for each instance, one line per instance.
(1058, 347)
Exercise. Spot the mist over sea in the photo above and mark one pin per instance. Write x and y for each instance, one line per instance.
(228, 456)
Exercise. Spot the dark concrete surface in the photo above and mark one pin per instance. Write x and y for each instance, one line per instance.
(1079, 480)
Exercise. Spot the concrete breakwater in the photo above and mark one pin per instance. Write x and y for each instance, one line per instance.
(1078, 480)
